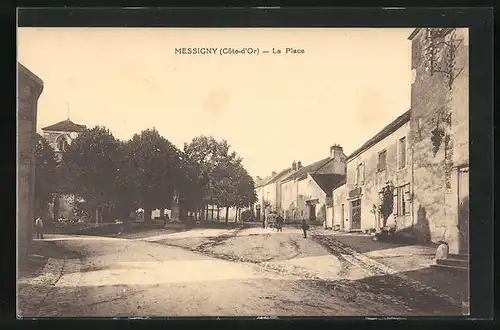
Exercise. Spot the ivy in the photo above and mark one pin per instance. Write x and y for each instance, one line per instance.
(387, 203)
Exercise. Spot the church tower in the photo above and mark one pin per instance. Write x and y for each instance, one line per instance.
(60, 135)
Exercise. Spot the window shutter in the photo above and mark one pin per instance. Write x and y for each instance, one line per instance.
(363, 173)
(396, 201)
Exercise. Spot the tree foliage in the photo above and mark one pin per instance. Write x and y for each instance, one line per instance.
(90, 168)
(45, 174)
(151, 168)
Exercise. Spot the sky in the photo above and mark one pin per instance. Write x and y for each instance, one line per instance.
(271, 108)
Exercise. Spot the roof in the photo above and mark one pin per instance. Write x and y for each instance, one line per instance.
(328, 182)
(386, 131)
(65, 126)
(280, 175)
(302, 172)
(414, 33)
(31, 75)
(272, 179)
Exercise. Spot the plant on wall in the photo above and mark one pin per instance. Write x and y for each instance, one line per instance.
(441, 135)
(441, 52)
(375, 211)
(387, 203)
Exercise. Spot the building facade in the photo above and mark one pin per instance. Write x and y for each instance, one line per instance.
(306, 192)
(424, 153)
(440, 135)
(382, 159)
(29, 89)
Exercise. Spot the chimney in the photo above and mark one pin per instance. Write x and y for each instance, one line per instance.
(294, 166)
(258, 178)
(273, 173)
(336, 151)
(299, 165)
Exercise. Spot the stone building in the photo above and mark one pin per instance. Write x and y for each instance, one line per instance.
(432, 188)
(269, 192)
(306, 192)
(439, 128)
(59, 136)
(381, 159)
(29, 89)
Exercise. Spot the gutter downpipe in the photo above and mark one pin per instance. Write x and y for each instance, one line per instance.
(412, 194)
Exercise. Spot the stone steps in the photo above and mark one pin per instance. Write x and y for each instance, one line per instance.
(455, 263)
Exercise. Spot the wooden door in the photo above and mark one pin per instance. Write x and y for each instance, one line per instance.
(356, 214)
(463, 210)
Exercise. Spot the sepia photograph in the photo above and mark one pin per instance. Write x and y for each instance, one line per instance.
(259, 172)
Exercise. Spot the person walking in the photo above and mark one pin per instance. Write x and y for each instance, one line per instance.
(305, 227)
(39, 228)
(279, 222)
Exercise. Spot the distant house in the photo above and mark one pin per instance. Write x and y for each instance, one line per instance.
(306, 192)
(382, 158)
(60, 135)
(269, 192)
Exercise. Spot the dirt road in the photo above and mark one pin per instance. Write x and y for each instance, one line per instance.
(215, 272)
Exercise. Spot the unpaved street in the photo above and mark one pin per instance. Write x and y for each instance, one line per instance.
(215, 272)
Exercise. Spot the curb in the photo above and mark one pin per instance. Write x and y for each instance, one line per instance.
(375, 268)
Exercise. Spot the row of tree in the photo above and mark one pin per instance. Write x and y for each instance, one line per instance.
(143, 172)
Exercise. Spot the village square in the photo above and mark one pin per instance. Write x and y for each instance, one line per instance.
(142, 226)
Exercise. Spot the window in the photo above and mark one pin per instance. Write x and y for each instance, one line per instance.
(402, 152)
(360, 174)
(403, 200)
(382, 158)
(62, 143)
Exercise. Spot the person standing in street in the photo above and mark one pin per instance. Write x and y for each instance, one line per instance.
(39, 228)
(305, 227)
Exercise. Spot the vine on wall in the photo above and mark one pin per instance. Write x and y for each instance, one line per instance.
(440, 53)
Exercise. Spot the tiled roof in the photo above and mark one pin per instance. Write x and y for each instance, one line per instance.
(328, 182)
(65, 126)
(386, 131)
(280, 176)
(302, 173)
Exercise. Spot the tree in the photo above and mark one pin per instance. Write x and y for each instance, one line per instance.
(151, 170)
(45, 175)
(210, 155)
(244, 194)
(89, 167)
(387, 203)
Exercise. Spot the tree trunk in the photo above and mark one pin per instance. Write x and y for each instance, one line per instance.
(55, 209)
(227, 214)
(162, 213)
(206, 213)
(218, 214)
(236, 215)
(147, 215)
(212, 211)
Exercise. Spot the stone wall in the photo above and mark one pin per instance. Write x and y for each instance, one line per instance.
(435, 192)
(372, 181)
(29, 89)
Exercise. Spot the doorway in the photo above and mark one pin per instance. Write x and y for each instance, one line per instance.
(463, 210)
(312, 212)
(356, 214)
